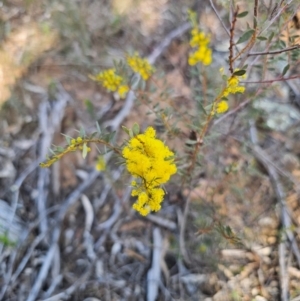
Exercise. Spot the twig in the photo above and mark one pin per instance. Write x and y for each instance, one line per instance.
(124, 112)
(161, 47)
(89, 212)
(73, 197)
(70, 290)
(219, 17)
(89, 218)
(161, 221)
(284, 276)
(255, 13)
(55, 282)
(280, 194)
(153, 276)
(42, 275)
(274, 52)
(48, 125)
(270, 81)
(231, 43)
(182, 218)
(25, 259)
(117, 210)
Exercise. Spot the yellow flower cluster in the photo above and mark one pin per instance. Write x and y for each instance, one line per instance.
(140, 65)
(222, 107)
(233, 86)
(112, 81)
(203, 53)
(152, 164)
(100, 164)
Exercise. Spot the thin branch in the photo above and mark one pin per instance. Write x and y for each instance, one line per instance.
(154, 273)
(262, 156)
(231, 39)
(280, 79)
(255, 14)
(219, 17)
(274, 52)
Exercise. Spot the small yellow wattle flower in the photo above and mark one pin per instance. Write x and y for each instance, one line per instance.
(110, 80)
(200, 41)
(222, 107)
(151, 163)
(233, 84)
(140, 65)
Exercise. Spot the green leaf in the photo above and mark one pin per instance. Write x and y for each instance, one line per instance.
(271, 37)
(90, 107)
(245, 37)
(68, 138)
(191, 142)
(254, 22)
(202, 108)
(239, 72)
(131, 133)
(84, 151)
(135, 129)
(285, 69)
(52, 151)
(82, 132)
(4, 239)
(125, 129)
(224, 77)
(93, 135)
(98, 128)
(282, 44)
(59, 149)
(111, 136)
(243, 14)
(262, 38)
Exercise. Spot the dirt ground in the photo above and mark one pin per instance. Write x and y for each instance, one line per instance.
(69, 232)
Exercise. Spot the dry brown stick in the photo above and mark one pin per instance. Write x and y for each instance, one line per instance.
(255, 14)
(154, 273)
(231, 43)
(162, 222)
(218, 16)
(48, 125)
(283, 274)
(73, 197)
(262, 157)
(182, 219)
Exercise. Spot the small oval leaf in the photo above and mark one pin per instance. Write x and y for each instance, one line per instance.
(84, 151)
(239, 72)
(245, 37)
(243, 14)
(285, 69)
(136, 129)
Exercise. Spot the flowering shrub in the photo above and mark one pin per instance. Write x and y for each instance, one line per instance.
(199, 41)
(152, 164)
(202, 54)
(140, 65)
(233, 84)
(147, 158)
(112, 82)
(222, 107)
